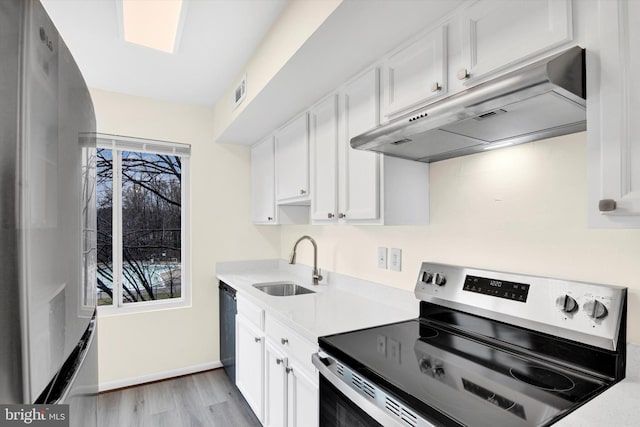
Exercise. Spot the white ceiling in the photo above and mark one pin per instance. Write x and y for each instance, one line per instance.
(218, 38)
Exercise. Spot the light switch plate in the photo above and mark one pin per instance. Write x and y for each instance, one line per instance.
(382, 258)
(395, 262)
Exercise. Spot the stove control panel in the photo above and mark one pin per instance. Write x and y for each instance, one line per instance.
(583, 312)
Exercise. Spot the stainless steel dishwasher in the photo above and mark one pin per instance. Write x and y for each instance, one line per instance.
(228, 310)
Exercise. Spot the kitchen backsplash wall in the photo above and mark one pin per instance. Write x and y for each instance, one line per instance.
(520, 209)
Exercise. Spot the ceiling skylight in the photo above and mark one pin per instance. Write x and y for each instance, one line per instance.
(152, 23)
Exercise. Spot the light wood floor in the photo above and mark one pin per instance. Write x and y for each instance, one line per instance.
(204, 399)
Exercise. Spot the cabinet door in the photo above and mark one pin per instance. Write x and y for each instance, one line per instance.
(323, 128)
(292, 161)
(499, 33)
(614, 129)
(303, 399)
(361, 185)
(415, 74)
(263, 182)
(276, 387)
(250, 364)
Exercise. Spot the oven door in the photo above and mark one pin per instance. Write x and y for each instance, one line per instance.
(337, 410)
(346, 402)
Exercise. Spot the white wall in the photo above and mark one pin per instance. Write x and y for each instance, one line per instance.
(147, 345)
(520, 209)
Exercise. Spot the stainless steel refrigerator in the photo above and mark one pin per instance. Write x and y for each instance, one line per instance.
(47, 218)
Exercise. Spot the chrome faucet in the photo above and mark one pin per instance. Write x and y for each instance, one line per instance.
(317, 277)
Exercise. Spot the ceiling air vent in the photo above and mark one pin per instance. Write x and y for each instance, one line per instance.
(240, 92)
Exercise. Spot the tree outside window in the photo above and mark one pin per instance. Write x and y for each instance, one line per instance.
(141, 226)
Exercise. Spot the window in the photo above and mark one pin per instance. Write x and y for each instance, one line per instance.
(142, 213)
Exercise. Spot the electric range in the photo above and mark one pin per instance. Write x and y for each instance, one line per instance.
(489, 349)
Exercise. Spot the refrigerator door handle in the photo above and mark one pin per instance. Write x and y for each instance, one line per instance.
(58, 389)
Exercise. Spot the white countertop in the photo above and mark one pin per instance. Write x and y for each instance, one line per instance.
(343, 303)
(617, 407)
(340, 303)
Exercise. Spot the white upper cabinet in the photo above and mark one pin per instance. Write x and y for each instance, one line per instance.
(500, 33)
(360, 187)
(263, 182)
(292, 161)
(361, 198)
(415, 73)
(323, 124)
(613, 108)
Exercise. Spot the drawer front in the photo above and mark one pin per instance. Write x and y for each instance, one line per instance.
(292, 343)
(251, 311)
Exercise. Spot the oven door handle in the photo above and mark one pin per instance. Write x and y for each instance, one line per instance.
(327, 367)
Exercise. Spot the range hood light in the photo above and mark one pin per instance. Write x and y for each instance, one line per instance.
(498, 145)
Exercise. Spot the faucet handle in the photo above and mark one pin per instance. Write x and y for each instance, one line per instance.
(317, 277)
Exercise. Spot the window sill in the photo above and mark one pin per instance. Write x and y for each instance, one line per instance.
(142, 307)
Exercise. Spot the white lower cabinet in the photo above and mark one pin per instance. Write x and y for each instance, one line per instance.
(274, 372)
(250, 364)
(303, 399)
(275, 376)
(291, 390)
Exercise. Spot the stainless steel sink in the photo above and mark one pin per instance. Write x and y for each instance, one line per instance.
(282, 289)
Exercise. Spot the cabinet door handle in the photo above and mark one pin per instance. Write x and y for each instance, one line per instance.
(269, 218)
(607, 205)
(435, 87)
(289, 370)
(303, 191)
(279, 361)
(341, 215)
(330, 215)
(463, 74)
(284, 341)
(257, 339)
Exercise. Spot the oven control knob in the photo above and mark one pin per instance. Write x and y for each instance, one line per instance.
(595, 309)
(426, 276)
(439, 279)
(566, 304)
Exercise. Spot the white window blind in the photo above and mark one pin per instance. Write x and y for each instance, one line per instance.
(127, 143)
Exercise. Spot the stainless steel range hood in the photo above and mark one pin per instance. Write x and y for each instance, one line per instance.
(542, 100)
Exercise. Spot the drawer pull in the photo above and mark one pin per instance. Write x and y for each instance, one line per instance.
(257, 339)
(284, 341)
(289, 370)
(279, 361)
(463, 74)
(607, 205)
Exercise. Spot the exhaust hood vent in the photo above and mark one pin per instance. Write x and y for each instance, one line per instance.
(542, 100)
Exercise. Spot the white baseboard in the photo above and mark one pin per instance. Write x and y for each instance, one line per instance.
(128, 382)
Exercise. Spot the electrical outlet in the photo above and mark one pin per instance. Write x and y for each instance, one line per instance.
(382, 258)
(396, 259)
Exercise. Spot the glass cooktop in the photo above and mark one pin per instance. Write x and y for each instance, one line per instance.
(469, 381)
